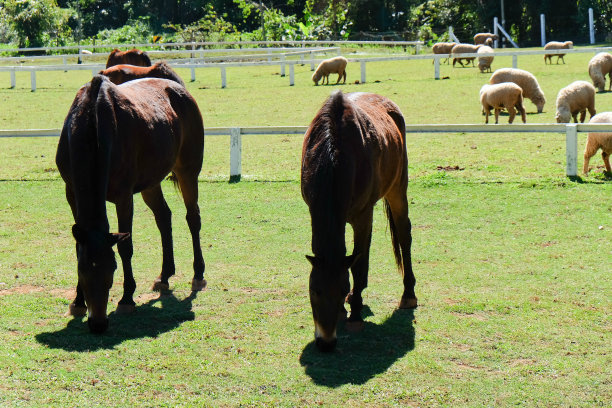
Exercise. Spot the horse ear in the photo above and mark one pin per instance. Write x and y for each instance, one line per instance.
(112, 239)
(79, 234)
(350, 260)
(314, 261)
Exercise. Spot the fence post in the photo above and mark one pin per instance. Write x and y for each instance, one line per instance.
(33, 79)
(223, 78)
(94, 71)
(571, 149)
(312, 67)
(436, 67)
(282, 65)
(514, 61)
(591, 26)
(363, 72)
(235, 154)
(495, 31)
(291, 75)
(543, 29)
(13, 80)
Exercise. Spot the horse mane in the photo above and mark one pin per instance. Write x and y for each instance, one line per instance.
(332, 169)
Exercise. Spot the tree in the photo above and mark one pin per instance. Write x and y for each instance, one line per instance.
(34, 20)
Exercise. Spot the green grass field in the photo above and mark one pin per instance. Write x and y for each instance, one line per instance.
(512, 261)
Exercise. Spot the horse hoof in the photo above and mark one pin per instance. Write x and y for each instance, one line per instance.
(125, 309)
(408, 303)
(198, 284)
(159, 286)
(354, 326)
(77, 311)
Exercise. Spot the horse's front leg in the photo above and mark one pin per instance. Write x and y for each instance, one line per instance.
(125, 214)
(154, 199)
(77, 307)
(362, 236)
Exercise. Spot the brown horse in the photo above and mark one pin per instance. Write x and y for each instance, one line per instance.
(132, 57)
(354, 153)
(119, 74)
(118, 141)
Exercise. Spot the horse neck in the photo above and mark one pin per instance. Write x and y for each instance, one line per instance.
(330, 205)
(90, 162)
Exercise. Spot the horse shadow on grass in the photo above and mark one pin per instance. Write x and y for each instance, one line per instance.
(148, 320)
(361, 356)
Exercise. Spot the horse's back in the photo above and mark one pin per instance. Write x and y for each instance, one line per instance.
(360, 139)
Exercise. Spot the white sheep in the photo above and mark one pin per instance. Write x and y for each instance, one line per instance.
(464, 49)
(505, 95)
(443, 48)
(332, 65)
(600, 66)
(526, 80)
(596, 141)
(481, 38)
(556, 45)
(575, 98)
(484, 63)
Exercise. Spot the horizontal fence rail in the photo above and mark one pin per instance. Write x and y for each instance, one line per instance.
(571, 131)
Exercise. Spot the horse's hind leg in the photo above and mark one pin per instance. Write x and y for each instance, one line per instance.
(125, 214)
(154, 199)
(189, 187)
(398, 205)
(362, 236)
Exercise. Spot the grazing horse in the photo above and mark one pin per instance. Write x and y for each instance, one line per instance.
(354, 153)
(132, 57)
(119, 74)
(118, 141)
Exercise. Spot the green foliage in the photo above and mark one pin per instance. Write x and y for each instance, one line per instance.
(211, 27)
(35, 22)
(136, 31)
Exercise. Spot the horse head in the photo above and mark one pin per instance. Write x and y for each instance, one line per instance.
(96, 267)
(328, 287)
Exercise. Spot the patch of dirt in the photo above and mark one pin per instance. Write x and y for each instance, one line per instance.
(450, 168)
(477, 316)
(29, 289)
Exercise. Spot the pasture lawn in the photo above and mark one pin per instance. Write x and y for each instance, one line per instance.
(512, 262)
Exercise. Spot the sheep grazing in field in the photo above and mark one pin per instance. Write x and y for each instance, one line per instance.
(484, 63)
(600, 66)
(526, 80)
(464, 49)
(575, 98)
(556, 45)
(596, 141)
(505, 95)
(333, 65)
(481, 38)
(443, 48)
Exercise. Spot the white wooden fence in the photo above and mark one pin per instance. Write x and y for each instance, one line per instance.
(571, 131)
(283, 62)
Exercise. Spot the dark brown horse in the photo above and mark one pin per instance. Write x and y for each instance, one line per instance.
(119, 74)
(132, 57)
(118, 141)
(354, 153)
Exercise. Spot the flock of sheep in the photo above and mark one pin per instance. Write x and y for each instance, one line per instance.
(508, 86)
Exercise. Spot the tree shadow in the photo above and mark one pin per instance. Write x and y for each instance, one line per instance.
(360, 356)
(147, 321)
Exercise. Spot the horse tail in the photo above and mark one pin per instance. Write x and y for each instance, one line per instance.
(174, 179)
(394, 238)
